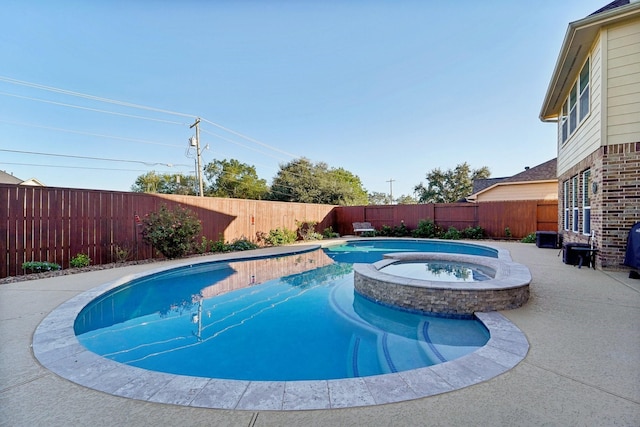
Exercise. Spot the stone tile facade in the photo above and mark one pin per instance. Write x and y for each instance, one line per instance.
(507, 290)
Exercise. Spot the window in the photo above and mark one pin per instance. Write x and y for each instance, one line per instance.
(565, 202)
(574, 204)
(576, 107)
(586, 202)
(584, 91)
(564, 122)
(573, 110)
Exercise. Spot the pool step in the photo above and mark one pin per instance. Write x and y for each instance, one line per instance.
(402, 353)
(395, 353)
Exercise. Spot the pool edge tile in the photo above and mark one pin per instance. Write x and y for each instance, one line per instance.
(299, 395)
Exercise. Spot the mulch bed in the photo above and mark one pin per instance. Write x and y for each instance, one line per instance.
(66, 272)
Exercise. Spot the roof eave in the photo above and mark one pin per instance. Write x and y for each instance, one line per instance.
(575, 49)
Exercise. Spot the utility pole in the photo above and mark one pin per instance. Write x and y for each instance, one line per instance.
(391, 180)
(198, 159)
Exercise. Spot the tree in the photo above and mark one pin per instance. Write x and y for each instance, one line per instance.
(346, 188)
(451, 185)
(152, 182)
(377, 198)
(230, 178)
(303, 181)
(406, 199)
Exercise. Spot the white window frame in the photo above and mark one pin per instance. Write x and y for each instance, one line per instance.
(586, 202)
(575, 219)
(584, 101)
(566, 198)
(577, 105)
(573, 110)
(564, 122)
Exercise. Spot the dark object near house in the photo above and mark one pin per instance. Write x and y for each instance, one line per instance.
(547, 239)
(578, 254)
(632, 257)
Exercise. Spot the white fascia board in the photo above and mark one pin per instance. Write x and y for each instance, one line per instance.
(579, 33)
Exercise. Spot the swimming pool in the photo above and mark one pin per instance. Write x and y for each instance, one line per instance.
(272, 319)
(57, 348)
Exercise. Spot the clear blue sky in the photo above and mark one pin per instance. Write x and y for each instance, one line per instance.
(385, 89)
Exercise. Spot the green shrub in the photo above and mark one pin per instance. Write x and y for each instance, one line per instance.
(307, 230)
(328, 233)
(507, 232)
(172, 232)
(80, 260)
(427, 229)
(204, 246)
(396, 231)
(278, 237)
(473, 233)
(218, 246)
(242, 244)
(122, 252)
(529, 238)
(39, 266)
(385, 231)
(452, 234)
(401, 230)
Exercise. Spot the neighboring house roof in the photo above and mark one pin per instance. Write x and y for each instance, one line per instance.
(6, 178)
(32, 181)
(481, 184)
(575, 49)
(544, 172)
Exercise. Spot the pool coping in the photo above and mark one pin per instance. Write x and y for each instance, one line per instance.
(57, 348)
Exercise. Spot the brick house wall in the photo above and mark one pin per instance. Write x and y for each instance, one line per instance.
(615, 205)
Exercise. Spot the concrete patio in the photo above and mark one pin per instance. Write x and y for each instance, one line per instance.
(583, 365)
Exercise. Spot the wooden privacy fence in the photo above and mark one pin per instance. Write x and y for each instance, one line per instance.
(520, 217)
(55, 224)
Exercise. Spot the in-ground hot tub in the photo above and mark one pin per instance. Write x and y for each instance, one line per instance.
(505, 285)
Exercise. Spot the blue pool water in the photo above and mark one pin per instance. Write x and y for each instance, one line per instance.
(440, 271)
(370, 251)
(273, 319)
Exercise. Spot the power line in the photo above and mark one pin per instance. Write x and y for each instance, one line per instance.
(142, 141)
(78, 167)
(93, 158)
(63, 104)
(240, 144)
(129, 105)
(91, 97)
(248, 138)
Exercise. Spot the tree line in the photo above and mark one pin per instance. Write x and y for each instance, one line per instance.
(304, 181)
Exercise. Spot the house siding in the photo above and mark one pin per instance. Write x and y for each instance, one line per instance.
(527, 191)
(623, 82)
(587, 137)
